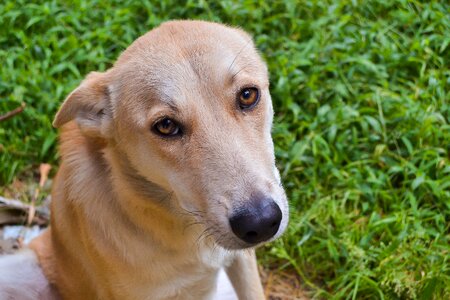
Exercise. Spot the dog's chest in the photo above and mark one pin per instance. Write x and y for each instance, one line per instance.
(189, 274)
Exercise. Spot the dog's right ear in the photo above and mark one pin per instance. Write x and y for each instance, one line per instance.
(89, 106)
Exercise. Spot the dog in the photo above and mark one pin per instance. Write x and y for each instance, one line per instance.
(167, 176)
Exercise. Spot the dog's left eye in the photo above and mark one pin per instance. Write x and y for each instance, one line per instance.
(167, 127)
(248, 97)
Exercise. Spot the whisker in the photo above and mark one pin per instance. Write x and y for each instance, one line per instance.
(235, 74)
(192, 224)
(240, 51)
(196, 213)
(202, 234)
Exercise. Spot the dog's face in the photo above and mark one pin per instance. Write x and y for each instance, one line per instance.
(188, 106)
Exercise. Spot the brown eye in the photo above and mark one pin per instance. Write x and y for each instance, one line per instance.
(248, 97)
(167, 127)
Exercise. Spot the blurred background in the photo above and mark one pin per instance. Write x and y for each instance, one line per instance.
(361, 91)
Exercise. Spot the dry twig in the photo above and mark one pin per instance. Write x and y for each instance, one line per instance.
(13, 112)
(44, 169)
(42, 215)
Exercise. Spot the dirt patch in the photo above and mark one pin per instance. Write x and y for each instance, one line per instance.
(282, 285)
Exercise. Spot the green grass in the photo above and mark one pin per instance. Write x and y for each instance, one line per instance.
(362, 99)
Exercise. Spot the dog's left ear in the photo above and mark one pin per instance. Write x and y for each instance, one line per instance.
(89, 106)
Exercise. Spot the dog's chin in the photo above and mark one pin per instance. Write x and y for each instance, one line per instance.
(237, 244)
(234, 244)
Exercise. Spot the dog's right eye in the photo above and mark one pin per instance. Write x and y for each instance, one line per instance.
(167, 127)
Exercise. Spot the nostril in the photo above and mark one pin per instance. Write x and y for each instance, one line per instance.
(252, 234)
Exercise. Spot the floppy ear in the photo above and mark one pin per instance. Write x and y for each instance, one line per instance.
(89, 105)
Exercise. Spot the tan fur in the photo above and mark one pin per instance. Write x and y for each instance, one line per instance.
(136, 216)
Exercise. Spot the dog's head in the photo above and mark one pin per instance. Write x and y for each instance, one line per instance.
(188, 106)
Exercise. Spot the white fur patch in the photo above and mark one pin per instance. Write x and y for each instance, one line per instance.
(224, 290)
(21, 278)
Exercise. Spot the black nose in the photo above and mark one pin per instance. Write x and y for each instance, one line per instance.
(257, 221)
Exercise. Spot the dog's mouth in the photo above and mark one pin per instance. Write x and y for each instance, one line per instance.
(231, 241)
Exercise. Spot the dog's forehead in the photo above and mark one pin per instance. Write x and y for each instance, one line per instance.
(185, 38)
(179, 56)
